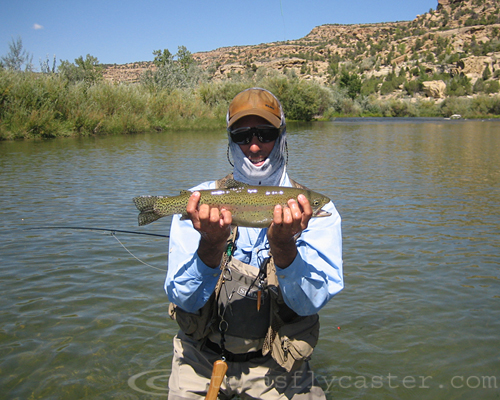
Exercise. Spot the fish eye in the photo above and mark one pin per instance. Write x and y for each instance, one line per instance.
(316, 203)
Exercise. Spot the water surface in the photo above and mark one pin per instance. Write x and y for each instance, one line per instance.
(418, 318)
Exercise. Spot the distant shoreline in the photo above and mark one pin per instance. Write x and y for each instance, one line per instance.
(44, 106)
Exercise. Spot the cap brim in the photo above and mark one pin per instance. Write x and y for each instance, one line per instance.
(270, 117)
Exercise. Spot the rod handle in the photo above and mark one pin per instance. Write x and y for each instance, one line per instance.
(218, 372)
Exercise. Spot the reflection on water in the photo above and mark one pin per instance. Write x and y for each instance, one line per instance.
(419, 317)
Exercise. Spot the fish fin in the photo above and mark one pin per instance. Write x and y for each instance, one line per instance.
(186, 192)
(233, 184)
(145, 204)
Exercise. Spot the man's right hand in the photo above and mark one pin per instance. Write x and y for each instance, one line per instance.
(214, 226)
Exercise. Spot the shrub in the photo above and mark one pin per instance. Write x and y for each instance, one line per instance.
(221, 93)
(412, 87)
(459, 85)
(301, 100)
(172, 76)
(478, 86)
(350, 82)
(398, 108)
(428, 108)
(492, 87)
(391, 83)
(455, 105)
(87, 70)
(487, 73)
(370, 86)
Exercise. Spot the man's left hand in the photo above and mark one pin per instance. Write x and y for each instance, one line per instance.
(288, 222)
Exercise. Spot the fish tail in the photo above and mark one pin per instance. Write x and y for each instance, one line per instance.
(145, 204)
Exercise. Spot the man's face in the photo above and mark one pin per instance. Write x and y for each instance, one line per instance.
(255, 151)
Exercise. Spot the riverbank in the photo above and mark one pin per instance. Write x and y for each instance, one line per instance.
(47, 105)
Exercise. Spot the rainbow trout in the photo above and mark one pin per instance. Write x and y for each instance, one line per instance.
(251, 206)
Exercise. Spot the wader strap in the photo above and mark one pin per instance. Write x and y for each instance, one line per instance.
(226, 256)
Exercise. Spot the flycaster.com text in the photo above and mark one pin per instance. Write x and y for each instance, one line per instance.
(155, 382)
(405, 382)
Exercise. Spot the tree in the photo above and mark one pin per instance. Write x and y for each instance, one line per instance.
(17, 57)
(88, 70)
(184, 57)
(162, 58)
(352, 82)
(486, 73)
(45, 66)
(172, 74)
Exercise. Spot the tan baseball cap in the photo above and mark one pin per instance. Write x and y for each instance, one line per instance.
(255, 101)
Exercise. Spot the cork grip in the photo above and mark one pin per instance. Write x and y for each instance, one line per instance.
(218, 373)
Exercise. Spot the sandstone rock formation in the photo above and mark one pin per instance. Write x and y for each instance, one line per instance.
(435, 89)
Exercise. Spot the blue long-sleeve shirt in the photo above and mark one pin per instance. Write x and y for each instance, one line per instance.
(307, 284)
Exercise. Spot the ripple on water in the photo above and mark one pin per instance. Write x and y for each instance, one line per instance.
(419, 206)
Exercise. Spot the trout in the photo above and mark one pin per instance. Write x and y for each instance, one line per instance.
(250, 206)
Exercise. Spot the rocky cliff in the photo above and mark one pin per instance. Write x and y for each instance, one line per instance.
(458, 37)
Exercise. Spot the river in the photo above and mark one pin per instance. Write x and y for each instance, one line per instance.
(419, 317)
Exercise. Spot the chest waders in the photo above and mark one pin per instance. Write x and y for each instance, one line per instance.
(243, 294)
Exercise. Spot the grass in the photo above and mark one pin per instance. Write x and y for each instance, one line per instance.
(47, 105)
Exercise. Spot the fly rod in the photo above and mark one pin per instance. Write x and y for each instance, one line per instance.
(96, 229)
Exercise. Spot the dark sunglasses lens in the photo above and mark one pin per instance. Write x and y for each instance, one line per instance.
(245, 135)
(241, 137)
(268, 135)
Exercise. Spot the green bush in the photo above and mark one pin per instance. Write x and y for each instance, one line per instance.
(412, 87)
(87, 70)
(351, 82)
(483, 86)
(221, 93)
(478, 86)
(398, 108)
(456, 105)
(301, 100)
(428, 108)
(484, 105)
(492, 87)
(48, 105)
(370, 86)
(459, 85)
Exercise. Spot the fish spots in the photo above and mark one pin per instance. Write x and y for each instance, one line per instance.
(251, 206)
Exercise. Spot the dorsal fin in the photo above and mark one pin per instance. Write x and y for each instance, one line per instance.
(233, 184)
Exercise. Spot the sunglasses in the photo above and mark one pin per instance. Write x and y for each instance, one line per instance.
(244, 135)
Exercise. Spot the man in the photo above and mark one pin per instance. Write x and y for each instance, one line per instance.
(251, 296)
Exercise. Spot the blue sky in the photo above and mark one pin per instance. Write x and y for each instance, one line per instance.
(127, 31)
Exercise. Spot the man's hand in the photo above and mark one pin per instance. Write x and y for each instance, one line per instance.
(288, 222)
(214, 226)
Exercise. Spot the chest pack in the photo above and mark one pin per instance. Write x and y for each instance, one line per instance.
(248, 303)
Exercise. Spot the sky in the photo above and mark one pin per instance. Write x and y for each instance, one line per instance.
(124, 31)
